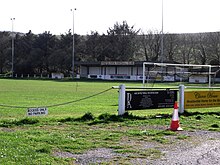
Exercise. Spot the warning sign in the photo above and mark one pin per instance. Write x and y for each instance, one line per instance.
(201, 99)
(37, 111)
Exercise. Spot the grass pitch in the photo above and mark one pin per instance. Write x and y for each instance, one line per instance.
(21, 94)
(37, 93)
(83, 125)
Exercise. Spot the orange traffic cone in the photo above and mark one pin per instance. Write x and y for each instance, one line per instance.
(175, 126)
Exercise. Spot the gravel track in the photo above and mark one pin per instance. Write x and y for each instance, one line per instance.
(200, 148)
(203, 148)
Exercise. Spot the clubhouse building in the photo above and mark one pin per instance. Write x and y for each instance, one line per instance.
(133, 70)
(111, 70)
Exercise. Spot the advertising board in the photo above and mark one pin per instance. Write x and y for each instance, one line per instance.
(135, 100)
(201, 99)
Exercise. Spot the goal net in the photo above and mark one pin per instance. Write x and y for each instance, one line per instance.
(167, 72)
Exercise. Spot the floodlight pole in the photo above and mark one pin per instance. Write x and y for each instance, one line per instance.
(12, 47)
(73, 50)
(162, 37)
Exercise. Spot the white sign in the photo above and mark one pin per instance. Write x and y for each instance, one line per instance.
(37, 111)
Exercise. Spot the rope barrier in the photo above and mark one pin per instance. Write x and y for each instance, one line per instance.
(60, 104)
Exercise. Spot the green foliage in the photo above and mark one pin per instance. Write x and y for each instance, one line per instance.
(121, 41)
(45, 53)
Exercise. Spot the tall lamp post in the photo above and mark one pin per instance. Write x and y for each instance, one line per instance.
(73, 50)
(12, 47)
(162, 53)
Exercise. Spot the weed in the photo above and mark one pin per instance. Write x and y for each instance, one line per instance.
(182, 137)
(26, 121)
(44, 150)
(141, 153)
(68, 119)
(86, 117)
(160, 139)
(106, 117)
(198, 117)
(215, 126)
(158, 132)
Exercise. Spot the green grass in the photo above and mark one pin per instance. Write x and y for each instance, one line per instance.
(84, 125)
(36, 93)
(43, 93)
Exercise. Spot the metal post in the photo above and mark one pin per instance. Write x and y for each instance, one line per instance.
(162, 36)
(210, 78)
(143, 74)
(121, 100)
(73, 51)
(12, 47)
(181, 98)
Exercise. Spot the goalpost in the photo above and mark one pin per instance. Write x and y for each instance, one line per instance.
(175, 72)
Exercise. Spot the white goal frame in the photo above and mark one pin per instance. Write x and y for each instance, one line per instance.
(176, 65)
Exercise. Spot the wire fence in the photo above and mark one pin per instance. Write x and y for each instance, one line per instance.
(59, 104)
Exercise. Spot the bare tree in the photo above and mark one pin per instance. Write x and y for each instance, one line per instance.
(214, 47)
(185, 50)
(170, 46)
(201, 54)
(150, 44)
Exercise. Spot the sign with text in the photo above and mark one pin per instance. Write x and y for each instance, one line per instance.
(201, 99)
(37, 111)
(117, 62)
(135, 100)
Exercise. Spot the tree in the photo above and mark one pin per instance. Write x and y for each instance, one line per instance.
(185, 49)
(58, 61)
(23, 60)
(4, 51)
(93, 46)
(144, 46)
(170, 46)
(202, 48)
(46, 43)
(121, 42)
(150, 43)
(214, 47)
(64, 51)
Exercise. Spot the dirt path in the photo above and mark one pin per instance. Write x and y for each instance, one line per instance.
(201, 148)
(205, 154)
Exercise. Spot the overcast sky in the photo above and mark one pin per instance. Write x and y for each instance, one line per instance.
(180, 16)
